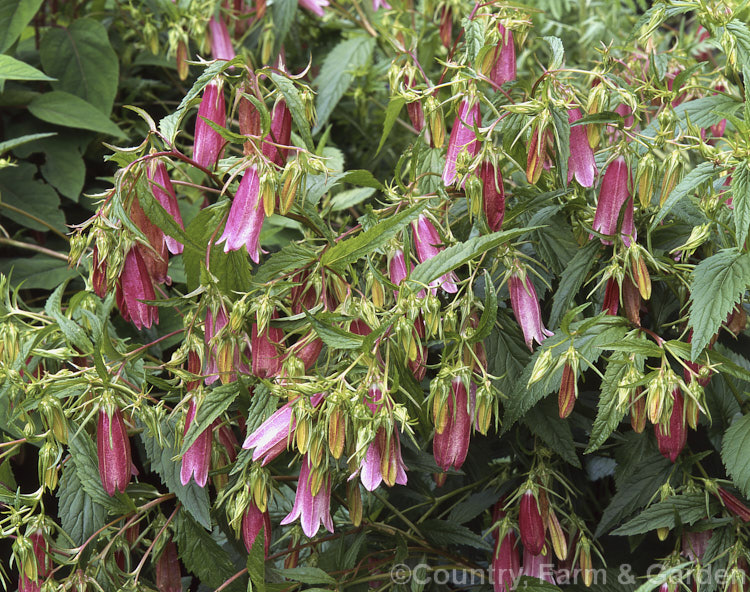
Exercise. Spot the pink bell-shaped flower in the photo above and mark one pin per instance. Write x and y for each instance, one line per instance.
(531, 524)
(252, 522)
(113, 450)
(245, 217)
(279, 136)
(506, 564)
(462, 138)
(133, 287)
(493, 195)
(428, 243)
(581, 161)
(42, 560)
(312, 509)
(208, 144)
(196, 460)
(672, 439)
(163, 190)
(504, 68)
(613, 196)
(525, 305)
(266, 359)
(538, 566)
(314, 6)
(221, 42)
(451, 444)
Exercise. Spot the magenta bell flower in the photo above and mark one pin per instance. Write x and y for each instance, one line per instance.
(196, 460)
(311, 509)
(245, 217)
(428, 244)
(270, 439)
(314, 6)
(377, 4)
(163, 190)
(462, 138)
(526, 309)
(266, 362)
(280, 133)
(613, 195)
(133, 287)
(493, 195)
(581, 159)
(397, 271)
(208, 144)
(504, 68)
(538, 566)
(451, 445)
(43, 563)
(221, 42)
(252, 522)
(113, 450)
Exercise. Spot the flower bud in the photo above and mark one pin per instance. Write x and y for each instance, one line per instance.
(435, 120)
(557, 536)
(354, 502)
(181, 58)
(584, 562)
(252, 522)
(113, 449)
(637, 410)
(493, 195)
(504, 66)
(671, 175)
(631, 299)
(451, 444)
(644, 178)
(614, 195)
(196, 461)
(337, 421)
(168, 573)
(537, 153)
(641, 276)
(673, 436)
(506, 564)
(568, 393)
(530, 523)
(463, 139)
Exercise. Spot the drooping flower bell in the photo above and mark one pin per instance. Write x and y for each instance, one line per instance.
(504, 68)
(538, 566)
(266, 362)
(428, 243)
(506, 564)
(221, 42)
(537, 156)
(311, 508)
(530, 523)
(208, 143)
(451, 443)
(113, 450)
(154, 253)
(614, 195)
(314, 6)
(168, 572)
(378, 4)
(463, 138)
(196, 461)
(252, 522)
(493, 195)
(672, 438)
(274, 144)
(245, 217)
(36, 564)
(163, 190)
(734, 505)
(98, 274)
(581, 160)
(133, 287)
(525, 305)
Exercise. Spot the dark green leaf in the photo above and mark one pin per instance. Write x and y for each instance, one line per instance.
(609, 413)
(741, 201)
(337, 73)
(62, 108)
(297, 109)
(444, 532)
(734, 453)
(489, 314)
(39, 271)
(14, 16)
(212, 406)
(283, 12)
(72, 331)
(306, 575)
(391, 115)
(291, 257)
(20, 190)
(20, 141)
(82, 59)
(13, 69)
(690, 508)
(544, 422)
(473, 506)
(571, 280)
(80, 515)
(702, 173)
(717, 285)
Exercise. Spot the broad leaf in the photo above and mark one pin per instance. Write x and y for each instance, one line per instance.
(734, 453)
(14, 16)
(62, 108)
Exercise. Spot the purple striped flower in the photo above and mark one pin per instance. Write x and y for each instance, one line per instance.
(312, 509)
(581, 160)
(613, 196)
(462, 138)
(133, 287)
(221, 42)
(428, 244)
(314, 6)
(526, 309)
(196, 460)
(113, 450)
(245, 217)
(161, 187)
(451, 445)
(208, 144)
(279, 135)
(504, 68)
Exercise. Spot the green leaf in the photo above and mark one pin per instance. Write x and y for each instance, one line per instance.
(562, 141)
(350, 197)
(741, 200)
(193, 497)
(457, 255)
(163, 219)
(13, 69)
(391, 115)
(293, 256)
(333, 336)
(80, 515)
(472, 507)
(474, 35)
(72, 331)
(544, 422)
(444, 532)
(62, 108)
(20, 190)
(663, 576)
(366, 243)
(571, 280)
(489, 314)
(20, 141)
(39, 271)
(294, 102)
(734, 453)
(689, 507)
(609, 413)
(739, 31)
(82, 59)
(337, 73)
(203, 556)
(212, 406)
(14, 16)
(283, 12)
(702, 173)
(558, 52)
(717, 285)
(306, 575)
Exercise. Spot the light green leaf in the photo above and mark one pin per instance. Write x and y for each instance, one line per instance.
(39, 271)
(14, 16)
(332, 335)
(13, 69)
(734, 449)
(20, 141)
(558, 52)
(62, 108)
(703, 173)
(717, 285)
(82, 59)
(337, 73)
(350, 197)
(391, 115)
(72, 331)
(741, 200)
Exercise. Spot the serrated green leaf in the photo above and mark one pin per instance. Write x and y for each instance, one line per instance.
(689, 507)
(703, 173)
(283, 12)
(558, 52)
(740, 188)
(193, 498)
(72, 331)
(352, 249)
(474, 35)
(734, 453)
(333, 336)
(489, 314)
(717, 285)
(67, 110)
(457, 255)
(14, 16)
(297, 109)
(80, 515)
(571, 280)
(544, 422)
(212, 406)
(444, 533)
(337, 74)
(292, 256)
(306, 575)
(561, 127)
(609, 413)
(391, 115)
(82, 59)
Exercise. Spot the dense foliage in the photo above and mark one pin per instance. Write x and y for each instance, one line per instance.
(429, 295)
